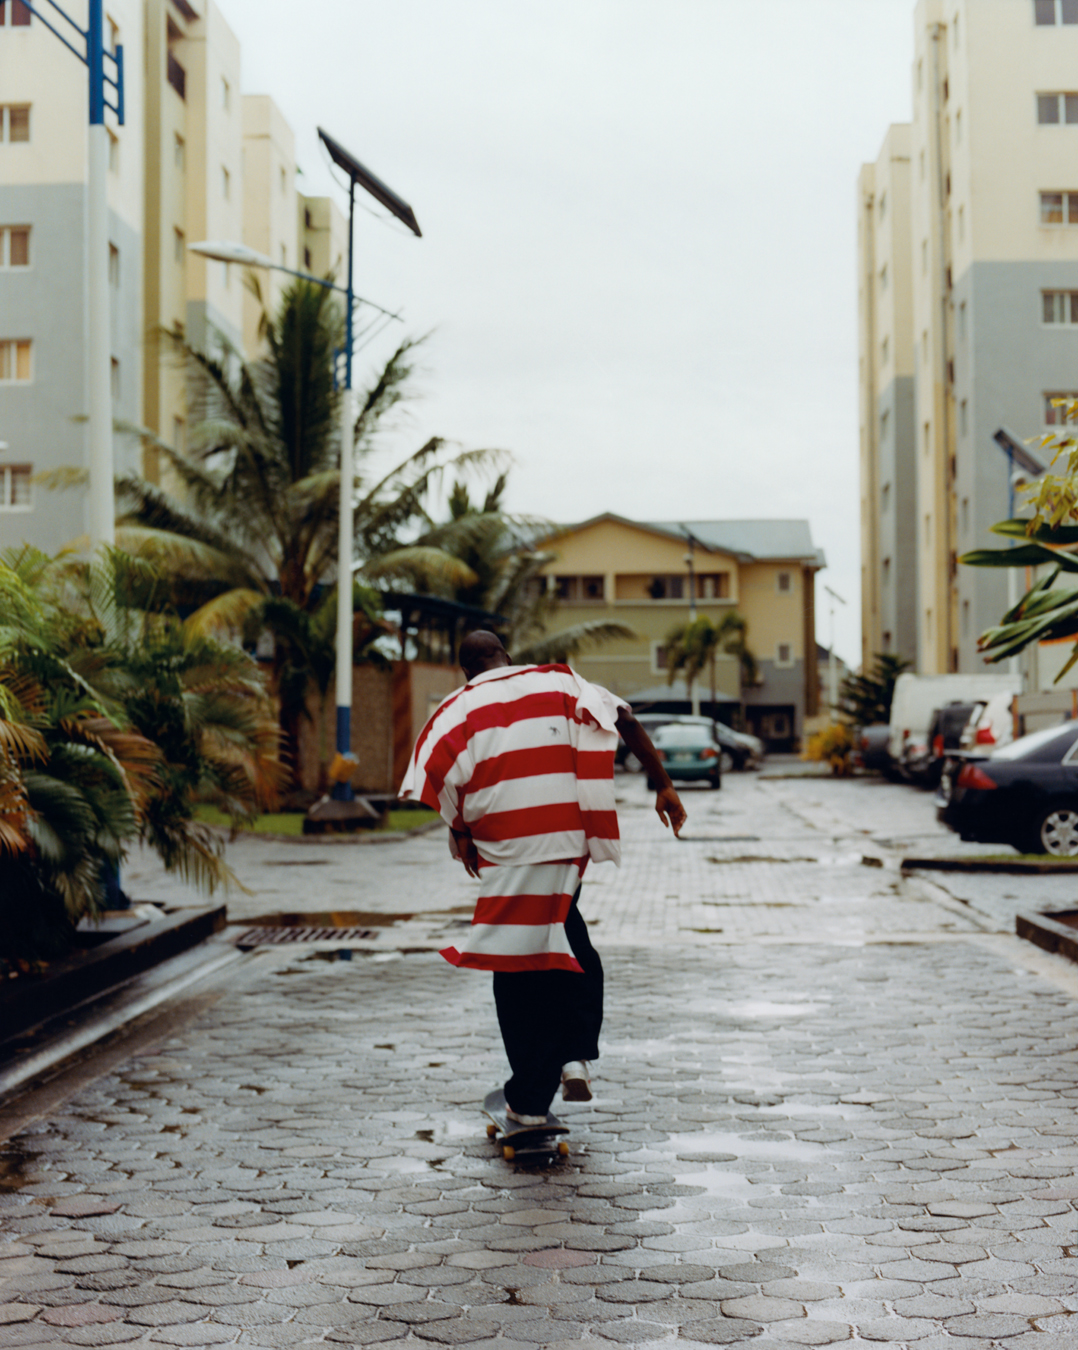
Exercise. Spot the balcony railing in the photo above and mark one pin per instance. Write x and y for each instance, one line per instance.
(177, 76)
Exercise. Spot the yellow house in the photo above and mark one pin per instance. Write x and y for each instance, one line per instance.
(638, 573)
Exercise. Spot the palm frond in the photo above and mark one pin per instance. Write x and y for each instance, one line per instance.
(559, 647)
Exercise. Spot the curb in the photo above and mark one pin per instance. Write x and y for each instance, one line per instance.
(1045, 932)
(385, 837)
(1016, 868)
(26, 1002)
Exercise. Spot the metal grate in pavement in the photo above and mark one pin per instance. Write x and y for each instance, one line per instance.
(261, 937)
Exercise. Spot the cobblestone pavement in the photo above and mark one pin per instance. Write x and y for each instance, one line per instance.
(851, 1118)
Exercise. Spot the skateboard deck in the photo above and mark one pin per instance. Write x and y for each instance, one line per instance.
(516, 1140)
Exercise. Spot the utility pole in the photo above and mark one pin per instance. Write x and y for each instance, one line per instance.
(89, 46)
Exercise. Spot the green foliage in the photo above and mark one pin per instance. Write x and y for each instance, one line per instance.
(115, 722)
(865, 699)
(695, 646)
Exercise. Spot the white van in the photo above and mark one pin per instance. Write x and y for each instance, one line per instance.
(918, 696)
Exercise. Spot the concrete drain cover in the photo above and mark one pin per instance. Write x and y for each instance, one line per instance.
(261, 937)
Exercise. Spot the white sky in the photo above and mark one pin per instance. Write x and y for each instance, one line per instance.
(638, 252)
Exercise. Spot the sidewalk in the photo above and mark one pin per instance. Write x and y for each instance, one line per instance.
(859, 1126)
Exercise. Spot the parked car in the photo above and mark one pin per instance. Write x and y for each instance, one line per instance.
(871, 748)
(738, 750)
(917, 697)
(689, 752)
(990, 725)
(944, 738)
(1024, 794)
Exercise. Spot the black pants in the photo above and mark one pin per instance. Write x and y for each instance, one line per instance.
(549, 1017)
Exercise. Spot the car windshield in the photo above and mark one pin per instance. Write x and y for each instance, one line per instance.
(683, 733)
(1049, 743)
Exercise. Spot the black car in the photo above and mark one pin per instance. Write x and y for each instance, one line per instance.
(944, 738)
(1024, 794)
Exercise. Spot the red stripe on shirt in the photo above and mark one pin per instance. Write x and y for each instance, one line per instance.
(523, 824)
(534, 910)
(537, 961)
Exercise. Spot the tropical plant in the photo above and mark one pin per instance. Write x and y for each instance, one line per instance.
(832, 745)
(249, 536)
(691, 647)
(865, 699)
(1049, 539)
(484, 557)
(115, 722)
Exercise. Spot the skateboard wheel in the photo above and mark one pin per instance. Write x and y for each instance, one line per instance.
(563, 1148)
(492, 1131)
(508, 1152)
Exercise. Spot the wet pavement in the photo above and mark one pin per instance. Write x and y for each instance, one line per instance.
(832, 1105)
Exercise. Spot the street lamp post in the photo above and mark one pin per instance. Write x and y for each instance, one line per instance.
(92, 53)
(240, 253)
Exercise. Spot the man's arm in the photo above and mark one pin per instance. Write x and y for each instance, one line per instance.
(462, 847)
(667, 802)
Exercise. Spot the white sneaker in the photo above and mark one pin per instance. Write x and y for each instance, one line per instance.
(524, 1120)
(576, 1081)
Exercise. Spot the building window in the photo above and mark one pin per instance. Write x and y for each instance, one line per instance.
(1057, 414)
(226, 183)
(924, 257)
(284, 180)
(114, 152)
(16, 365)
(713, 585)
(958, 127)
(284, 256)
(1059, 208)
(962, 320)
(883, 277)
(307, 259)
(15, 487)
(885, 423)
(784, 654)
(963, 417)
(885, 498)
(179, 152)
(178, 245)
(114, 376)
(20, 15)
(1059, 307)
(659, 659)
(575, 590)
(920, 76)
(921, 165)
(179, 435)
(1049, 12)
(961, 223)
(924, 347)
(784, 583)
(15, 122)
(927, 437)
(226, 94)
(965, 618)
(886, 573)
(965, 515)
(883, 205)
(885, 350)
(667, 587)
(14, 246)
(1052, 109)
(114, 265)
(177, 76)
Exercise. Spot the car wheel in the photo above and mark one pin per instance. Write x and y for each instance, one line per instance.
(1057, 832)
(726, 760)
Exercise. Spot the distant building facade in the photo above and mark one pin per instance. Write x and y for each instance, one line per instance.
(991, 290)
(635, 573)
(196, 159)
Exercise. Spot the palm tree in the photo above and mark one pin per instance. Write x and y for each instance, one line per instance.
(693, 646)
(256, 516)
(484, 557)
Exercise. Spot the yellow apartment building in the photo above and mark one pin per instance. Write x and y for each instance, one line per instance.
(637, 573)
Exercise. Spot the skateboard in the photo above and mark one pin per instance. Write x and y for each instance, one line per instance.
(523, 1140)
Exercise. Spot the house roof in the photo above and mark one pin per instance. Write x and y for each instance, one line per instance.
(747, 540)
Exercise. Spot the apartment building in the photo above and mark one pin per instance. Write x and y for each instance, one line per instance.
(636, 573)
(196, 159)
(43, 289)
(886, 380)
(993, 289)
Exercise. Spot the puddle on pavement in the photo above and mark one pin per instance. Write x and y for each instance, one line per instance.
(404, 1164)
(764, 1008)
(347, 918)
(724, 1180)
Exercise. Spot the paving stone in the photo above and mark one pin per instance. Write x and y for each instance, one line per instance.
(199, 1334)
(18, 1312)
(987, 1325)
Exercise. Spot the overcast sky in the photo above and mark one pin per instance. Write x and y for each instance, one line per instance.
(638, 254)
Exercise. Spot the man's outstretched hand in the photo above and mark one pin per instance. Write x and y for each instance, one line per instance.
(462, 847)
(669, 808)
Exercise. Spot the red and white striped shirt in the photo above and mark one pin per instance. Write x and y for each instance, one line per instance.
(523, 759)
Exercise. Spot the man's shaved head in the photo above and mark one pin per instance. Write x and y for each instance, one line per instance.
(482, 650)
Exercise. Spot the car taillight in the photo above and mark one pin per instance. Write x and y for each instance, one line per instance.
(984, 736)
(906, 734)
(937, 747)
(708, 753)
(973, 777)
(661, 754)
